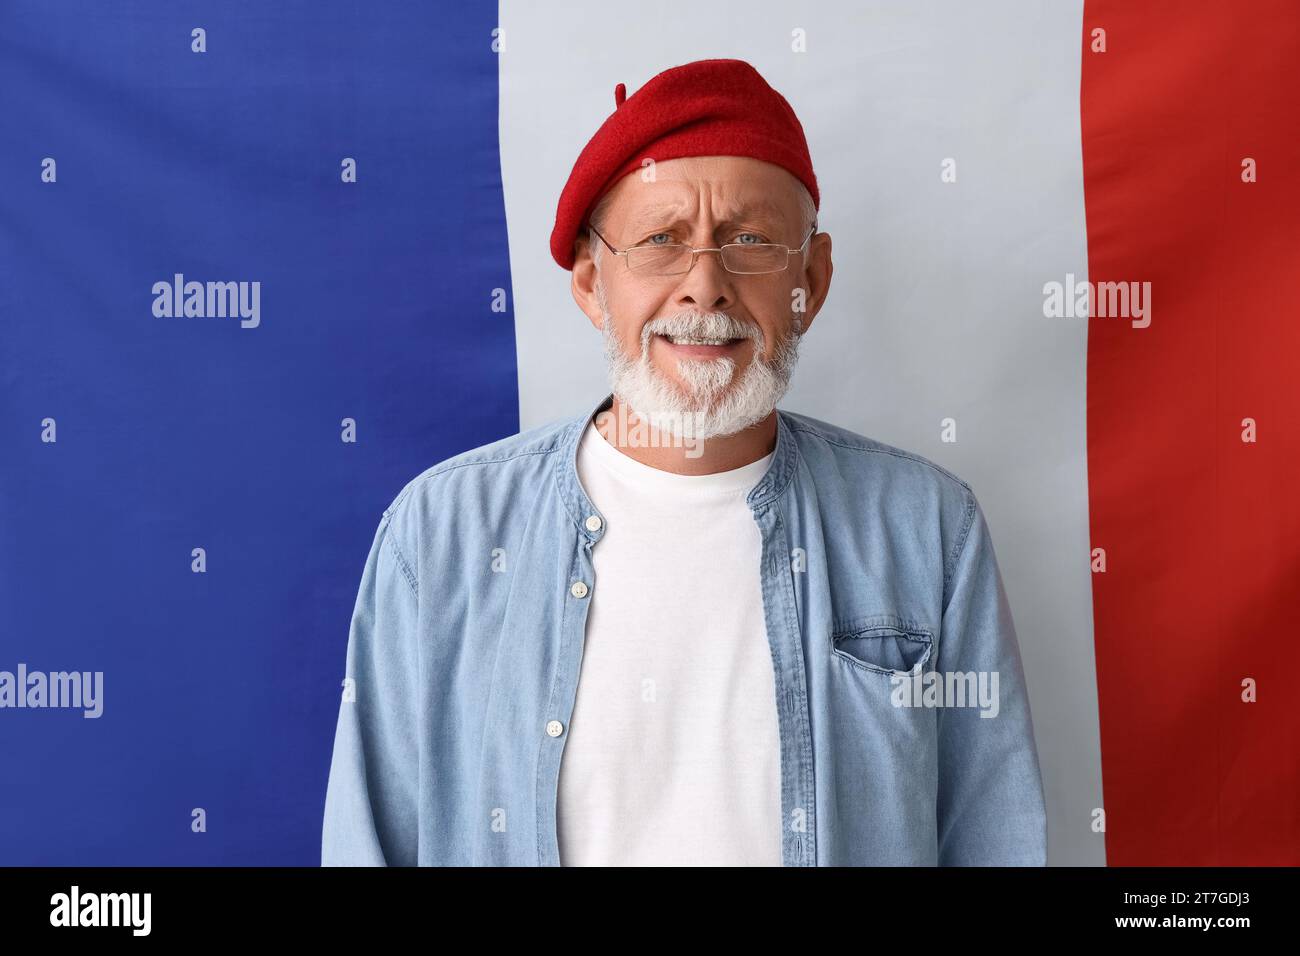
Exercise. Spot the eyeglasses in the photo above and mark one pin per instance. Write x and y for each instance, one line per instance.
(675, 258)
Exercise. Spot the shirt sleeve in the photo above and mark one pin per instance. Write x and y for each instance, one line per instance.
(990, 796)
(372, 798)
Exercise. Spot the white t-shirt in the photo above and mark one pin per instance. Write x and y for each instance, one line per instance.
(673, 754)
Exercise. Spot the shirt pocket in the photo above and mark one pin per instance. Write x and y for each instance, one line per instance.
(884, 644)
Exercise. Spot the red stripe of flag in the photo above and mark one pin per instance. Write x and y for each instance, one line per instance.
(1201, 530)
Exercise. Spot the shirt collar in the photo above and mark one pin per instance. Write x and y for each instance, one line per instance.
(580, 508)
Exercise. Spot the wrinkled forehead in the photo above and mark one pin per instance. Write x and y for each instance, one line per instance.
(728, 188)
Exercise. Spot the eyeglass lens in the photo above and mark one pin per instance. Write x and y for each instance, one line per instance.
(744, 258)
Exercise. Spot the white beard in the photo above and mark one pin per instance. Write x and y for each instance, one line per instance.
(710, 406)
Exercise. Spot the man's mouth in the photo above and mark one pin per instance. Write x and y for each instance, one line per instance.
(700, 346)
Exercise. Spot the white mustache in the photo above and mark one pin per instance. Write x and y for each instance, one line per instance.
(701, 325)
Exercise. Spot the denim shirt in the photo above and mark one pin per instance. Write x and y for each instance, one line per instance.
(878, 578)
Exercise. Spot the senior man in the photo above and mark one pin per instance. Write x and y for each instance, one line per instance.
(686, 627)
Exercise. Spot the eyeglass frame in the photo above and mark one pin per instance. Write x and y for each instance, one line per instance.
(789, 250)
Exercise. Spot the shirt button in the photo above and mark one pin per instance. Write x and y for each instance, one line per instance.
(554, 728)
(593, 523)
(578, 589)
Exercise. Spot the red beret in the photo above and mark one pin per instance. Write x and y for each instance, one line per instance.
(705, 108)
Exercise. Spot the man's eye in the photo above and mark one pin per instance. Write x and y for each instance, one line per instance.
(757, 238)
(651, 239)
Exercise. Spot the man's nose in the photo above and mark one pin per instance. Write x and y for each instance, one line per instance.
(708, 285)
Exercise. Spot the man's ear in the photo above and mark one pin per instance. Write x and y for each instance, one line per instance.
(583, 282)
(818, 275)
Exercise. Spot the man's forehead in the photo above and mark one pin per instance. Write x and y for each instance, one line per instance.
(734, 187)
(661, 204)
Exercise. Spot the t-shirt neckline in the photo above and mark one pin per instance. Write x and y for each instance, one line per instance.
(735, 480)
